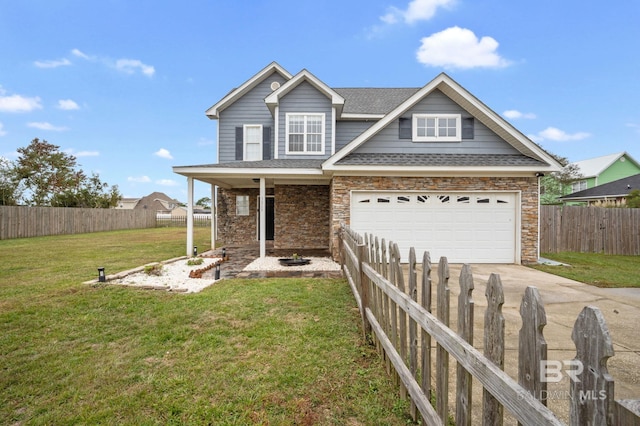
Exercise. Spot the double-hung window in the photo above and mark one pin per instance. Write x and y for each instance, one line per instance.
(579, 185)
(305, 133)
(252, 142)
(436, 128)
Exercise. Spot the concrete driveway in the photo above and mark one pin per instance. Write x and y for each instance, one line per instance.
(564, 299)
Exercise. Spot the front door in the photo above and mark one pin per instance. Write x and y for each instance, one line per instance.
(270, 218)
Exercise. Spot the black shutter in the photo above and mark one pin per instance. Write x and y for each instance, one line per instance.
(467, 128)
(239, 143)
(266, 143)
(404, 128)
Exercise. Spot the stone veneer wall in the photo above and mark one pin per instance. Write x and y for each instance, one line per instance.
(341, 199)
(237, 230)
(301, 216)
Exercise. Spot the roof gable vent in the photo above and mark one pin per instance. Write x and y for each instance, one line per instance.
(275, 85)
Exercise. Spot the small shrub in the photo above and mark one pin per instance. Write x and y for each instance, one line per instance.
(155, 269)
(195, 261)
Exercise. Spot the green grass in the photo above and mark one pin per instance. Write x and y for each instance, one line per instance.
(596, 269)
(264, 351)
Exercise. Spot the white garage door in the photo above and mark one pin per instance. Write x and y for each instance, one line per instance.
(474, 227)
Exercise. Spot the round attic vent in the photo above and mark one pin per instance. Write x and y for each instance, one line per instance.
(275, 85)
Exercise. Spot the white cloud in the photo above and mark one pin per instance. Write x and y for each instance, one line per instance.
(79, 54)
(417, 10)
(557, 135)
(139, 179)
(515, 114)
(458, 47)
(130, 66)
(167, 182)
(2, 131)
(53, 63)
(18, 103)
(67, 105)
(43, 125)
(87, 154)
(205, 142)
(163, 153)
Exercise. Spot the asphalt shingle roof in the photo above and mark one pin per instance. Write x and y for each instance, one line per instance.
(373, 100)
(438, 160)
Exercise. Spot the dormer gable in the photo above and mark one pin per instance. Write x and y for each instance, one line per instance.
(273, 99)
(214, 112)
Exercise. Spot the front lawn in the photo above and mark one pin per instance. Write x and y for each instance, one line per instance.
(596, 269)
(264, 351)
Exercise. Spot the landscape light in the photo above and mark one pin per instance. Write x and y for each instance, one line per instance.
(195, 250)
(217, 276)
(101, 277)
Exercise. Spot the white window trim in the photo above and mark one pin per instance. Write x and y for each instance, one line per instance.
(244, 141)
(304, 151)
(240, 206)
(414, 128)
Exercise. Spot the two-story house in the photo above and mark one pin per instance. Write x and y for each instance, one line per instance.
(431, 167)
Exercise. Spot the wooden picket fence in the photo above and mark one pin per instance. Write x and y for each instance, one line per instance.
(404, 330)
(590, 230)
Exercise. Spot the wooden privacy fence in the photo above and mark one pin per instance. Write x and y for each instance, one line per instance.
(404, 330)
(590, 230)
(23, 222)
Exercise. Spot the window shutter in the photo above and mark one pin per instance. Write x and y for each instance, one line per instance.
(266, 142)
(404, 128)
(467, 128)
(239, 143)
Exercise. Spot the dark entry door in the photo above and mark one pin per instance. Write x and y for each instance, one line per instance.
(270, 219)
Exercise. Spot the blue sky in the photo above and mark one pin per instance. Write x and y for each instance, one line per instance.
(123, 85)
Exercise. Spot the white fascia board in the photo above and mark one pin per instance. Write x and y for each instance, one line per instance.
(356, 116)
(214, 111)
(273, 99)
(229, 172)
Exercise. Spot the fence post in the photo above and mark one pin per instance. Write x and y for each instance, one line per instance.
(426, 337)
(492, 410)
(413, 327)
(465, 330)
(363, 285)
(442, 356)
(592, 398)
(532, 347)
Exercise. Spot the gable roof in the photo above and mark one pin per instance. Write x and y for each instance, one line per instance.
(214, 111)
(617, 188)
(273, 99)
(593, 167)
(374, 102)
(467, 101)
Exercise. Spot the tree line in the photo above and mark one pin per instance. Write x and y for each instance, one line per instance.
(42, 175)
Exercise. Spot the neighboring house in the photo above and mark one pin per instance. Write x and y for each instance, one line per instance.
(612, 193)
(432, 168)
(156, 201)
(605, 169)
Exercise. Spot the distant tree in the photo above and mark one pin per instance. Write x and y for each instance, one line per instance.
(633, 199)
(204, 202)
(51, 178)
(9, 183)
(556, 184)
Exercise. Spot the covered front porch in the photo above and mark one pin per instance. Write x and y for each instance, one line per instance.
(263, 202)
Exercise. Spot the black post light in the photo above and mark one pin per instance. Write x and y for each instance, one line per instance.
(195, 250)
(217, 275)
(224, 253)
(101, 277)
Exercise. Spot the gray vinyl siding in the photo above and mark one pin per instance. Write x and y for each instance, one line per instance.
(249, 109)
(304, 99)
(346, 131)
(484, 142)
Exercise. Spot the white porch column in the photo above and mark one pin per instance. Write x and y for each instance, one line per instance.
(263, 218)
(214, 216)
(189, 216)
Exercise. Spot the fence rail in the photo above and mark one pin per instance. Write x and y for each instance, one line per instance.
(168, 220)
(23, 222)
(590, 230)
(403, 331)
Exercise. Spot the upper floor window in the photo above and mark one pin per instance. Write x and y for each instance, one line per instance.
(579, 185)
(305, 133)
(252, 142)
(436, 128)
